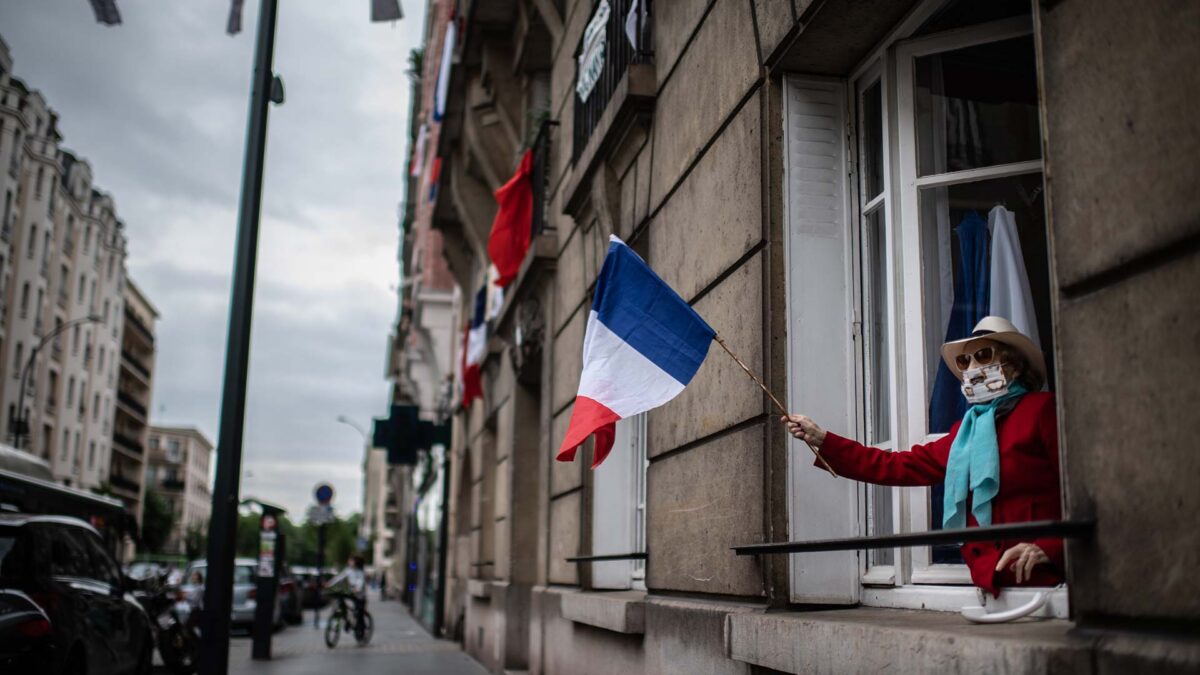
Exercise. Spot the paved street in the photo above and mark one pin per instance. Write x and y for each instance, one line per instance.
(400, 645)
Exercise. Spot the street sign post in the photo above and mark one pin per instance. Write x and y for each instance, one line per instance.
(320, 514)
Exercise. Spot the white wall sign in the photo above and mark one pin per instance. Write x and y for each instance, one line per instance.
(591, 54)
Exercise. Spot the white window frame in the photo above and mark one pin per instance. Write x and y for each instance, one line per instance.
(912, 581)
(619, 508)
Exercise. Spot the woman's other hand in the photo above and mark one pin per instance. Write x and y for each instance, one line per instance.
(805, 429)
(1022, 558)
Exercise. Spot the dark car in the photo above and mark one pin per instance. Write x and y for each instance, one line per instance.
(72, 610)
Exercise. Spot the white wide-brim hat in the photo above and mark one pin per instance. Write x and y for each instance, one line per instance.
(997, 329)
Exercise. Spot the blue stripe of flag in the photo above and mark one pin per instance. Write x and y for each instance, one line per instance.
(641, 309)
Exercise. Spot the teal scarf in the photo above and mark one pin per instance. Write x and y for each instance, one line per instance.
(974, 464)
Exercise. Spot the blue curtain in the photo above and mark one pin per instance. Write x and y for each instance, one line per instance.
(971, 303)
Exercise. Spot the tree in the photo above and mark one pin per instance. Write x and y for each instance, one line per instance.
(195, 541)
(157, 520)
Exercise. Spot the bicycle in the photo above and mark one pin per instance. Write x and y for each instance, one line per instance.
(342, 620)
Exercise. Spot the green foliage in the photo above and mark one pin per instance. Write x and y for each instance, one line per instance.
(341, 537)
(157, 521)
(195, 541)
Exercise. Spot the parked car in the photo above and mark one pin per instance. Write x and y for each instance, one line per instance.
(245, 590)
(309, 581)
(289, 599)
(64, 604)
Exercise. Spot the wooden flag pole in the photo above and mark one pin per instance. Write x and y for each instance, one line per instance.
(782, 410)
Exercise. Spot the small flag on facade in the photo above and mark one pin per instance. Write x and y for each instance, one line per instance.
(512, 229)
(435, 176)
(443, 80)
(386, 10)
(643, 345)
(106, 12)
(474, 349)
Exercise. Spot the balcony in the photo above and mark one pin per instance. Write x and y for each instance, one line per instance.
(607, 69)
(136, 364)
(56, 351)
(131, 403)
(142, 329)
(122, 483)
(172, 484)
(51, 405)
(69, 245)
(62, 299)
(129, 443)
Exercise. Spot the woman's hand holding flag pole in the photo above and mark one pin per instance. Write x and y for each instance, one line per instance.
(642, 346)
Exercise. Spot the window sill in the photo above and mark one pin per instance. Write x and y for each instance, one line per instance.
(479, 588)
(617, 611)
(869, 639)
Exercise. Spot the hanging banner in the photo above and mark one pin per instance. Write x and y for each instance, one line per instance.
(591, 53)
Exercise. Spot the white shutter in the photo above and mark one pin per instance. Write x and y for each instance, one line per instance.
(613, 509)
(820, 337)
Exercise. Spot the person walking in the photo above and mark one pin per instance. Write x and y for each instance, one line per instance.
(383, 585)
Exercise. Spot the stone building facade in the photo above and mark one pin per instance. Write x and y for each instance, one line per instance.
(62, 288)
(179, 469)
(796, 170)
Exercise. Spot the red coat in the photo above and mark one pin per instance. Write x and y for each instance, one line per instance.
(1029, 485)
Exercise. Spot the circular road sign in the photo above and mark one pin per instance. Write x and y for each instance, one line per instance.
(324, 493)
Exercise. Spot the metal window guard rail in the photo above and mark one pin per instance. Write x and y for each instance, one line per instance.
(540, 175)
(619, 53)
(1067, 529)
(605, 558)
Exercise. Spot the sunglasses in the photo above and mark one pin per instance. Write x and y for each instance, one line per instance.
(983, 356)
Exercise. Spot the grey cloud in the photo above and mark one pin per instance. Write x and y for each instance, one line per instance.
(158, 105)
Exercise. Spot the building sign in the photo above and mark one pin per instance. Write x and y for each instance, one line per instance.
(591, 52)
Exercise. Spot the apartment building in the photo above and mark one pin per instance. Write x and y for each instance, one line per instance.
(178, 468)
(134, 381)
(796, 169)
(62, 287)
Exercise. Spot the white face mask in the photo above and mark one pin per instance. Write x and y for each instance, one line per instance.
(993, 384)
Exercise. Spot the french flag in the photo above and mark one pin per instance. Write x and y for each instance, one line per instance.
(474, 349)
(643, 345)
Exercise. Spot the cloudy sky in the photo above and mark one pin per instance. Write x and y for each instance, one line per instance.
(158, 106)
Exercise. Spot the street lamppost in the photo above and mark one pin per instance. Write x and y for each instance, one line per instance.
(366, 518)
(21, 424)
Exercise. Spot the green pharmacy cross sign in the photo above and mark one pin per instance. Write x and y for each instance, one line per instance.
(403, 433)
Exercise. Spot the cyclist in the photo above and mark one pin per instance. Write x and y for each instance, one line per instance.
(356, 579)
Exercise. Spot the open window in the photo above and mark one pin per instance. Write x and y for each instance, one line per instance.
(894, 177)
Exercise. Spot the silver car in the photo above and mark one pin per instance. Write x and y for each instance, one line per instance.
(244, 589)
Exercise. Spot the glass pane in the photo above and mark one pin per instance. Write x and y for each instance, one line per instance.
(957, 227)
(871, 115)
(878, 352)
(879, 521)
(977, 107)
(879, 428)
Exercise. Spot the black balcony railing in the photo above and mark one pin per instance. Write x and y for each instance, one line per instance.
(618, 53)
(123, 483)
(128, 442)
(132, 403)
(142, 328)
(136, 363)
(172, 484)
(541, 166)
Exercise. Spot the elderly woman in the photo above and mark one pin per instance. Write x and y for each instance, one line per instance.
(999, 463)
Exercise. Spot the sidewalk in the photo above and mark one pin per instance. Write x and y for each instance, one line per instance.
(400, 645)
